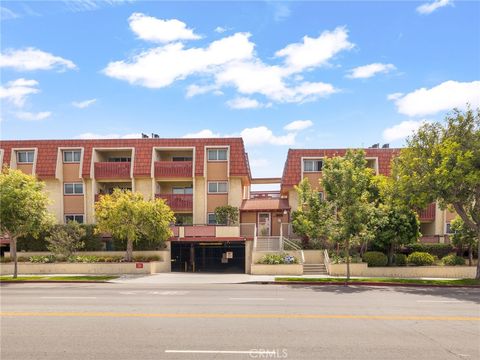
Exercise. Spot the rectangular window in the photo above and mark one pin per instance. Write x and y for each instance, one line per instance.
(182, 158)
(71, 156)
(320, 195)
(312, 165)
(220, 187)
(73, 189)
(448, 229)
(212, 219)
(25, 157)
(77, 218)
(182, 190)
(217, 154)
(119, 159)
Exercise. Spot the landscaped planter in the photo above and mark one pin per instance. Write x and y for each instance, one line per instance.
(280, 269)
(90, 268)
(362, 269)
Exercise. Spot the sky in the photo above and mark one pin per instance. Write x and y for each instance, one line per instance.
(282, 75)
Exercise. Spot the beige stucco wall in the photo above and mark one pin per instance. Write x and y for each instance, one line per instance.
(227, 231)
(235, 192)
(215, 200)
(71, 172)
(465, 272)
(313, 256)
(293, 199)
(89, 190)
(167, 187)
(248, 256)
(73, 204)
(54, 190)
(291, 269)
(144, 186)
(199, 198)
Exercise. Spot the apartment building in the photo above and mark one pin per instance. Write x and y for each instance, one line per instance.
(307, 163)
(194, 176)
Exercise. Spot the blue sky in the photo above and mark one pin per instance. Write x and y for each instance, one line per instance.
(281, 74)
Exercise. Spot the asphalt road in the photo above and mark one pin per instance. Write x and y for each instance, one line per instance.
(125, 321)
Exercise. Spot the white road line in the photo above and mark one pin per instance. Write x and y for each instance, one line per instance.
(220, 352)
(68, 297)
(439, 301)
(254, 299)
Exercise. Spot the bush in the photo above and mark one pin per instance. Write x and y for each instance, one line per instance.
(400, 259)
(439, 250)
(44, 259)
(276, 259)
(142, 245)
(146, 258)
(453, 260)
(375, 258)
(420, 258)
(86, 259)
(65, 240)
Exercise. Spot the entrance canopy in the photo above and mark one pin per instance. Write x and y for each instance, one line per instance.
(265, 205)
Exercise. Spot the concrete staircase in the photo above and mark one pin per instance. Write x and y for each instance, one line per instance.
(314, 269)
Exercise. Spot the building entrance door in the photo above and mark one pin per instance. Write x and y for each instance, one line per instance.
(264, 224)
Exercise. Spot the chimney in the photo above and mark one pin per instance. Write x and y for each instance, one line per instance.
(385, 146)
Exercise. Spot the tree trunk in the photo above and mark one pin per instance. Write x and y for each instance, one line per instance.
(13, 254)
(478, 255)
(129, 254)
(347, 250)
(391, 252)
(470, 254)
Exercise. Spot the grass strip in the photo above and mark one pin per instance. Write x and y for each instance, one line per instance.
(9, 278)
(452, 282)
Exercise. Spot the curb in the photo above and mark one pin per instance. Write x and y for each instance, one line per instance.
(54, 281)
(320, 283)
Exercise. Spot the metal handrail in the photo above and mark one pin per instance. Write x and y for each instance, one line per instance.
(326, 260)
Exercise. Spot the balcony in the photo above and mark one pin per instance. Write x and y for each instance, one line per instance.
(112, 170)
(178, 202)
(173, 169)
(428, 214)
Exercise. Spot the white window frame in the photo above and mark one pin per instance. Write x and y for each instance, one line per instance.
(208, 218)
(217, 186)
(74, 216)
(74, 193)
(27, 152)
(217, 152)
(313, 162)
(79, 151)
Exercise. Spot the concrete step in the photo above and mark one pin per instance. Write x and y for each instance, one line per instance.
(314, 269)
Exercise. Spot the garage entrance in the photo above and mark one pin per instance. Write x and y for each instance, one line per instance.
(220, 257)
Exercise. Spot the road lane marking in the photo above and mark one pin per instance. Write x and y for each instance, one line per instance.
(254, 299)
(68, 297)
(237, 316)
(253, 352)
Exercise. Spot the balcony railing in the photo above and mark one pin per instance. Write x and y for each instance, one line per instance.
(173, 169)
(427, 214)
(178, 202)
(112, 170)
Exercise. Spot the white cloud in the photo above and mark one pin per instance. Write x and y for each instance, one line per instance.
(17, 91)
(30, 59)
(298, 125)
(205, 133)
(220, 29)
(446, 96)
(84, 104)
(402, 130)
(367, 71)
(161, 66)
(430, 7)
(29, 116)
(314, 52)
(7, 14)
(108, 136)
(245, 103)
(394, 96)
(262, 135)
(158, 30)
(194, 90)
(281, 11)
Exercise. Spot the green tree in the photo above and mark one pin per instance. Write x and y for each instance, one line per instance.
(442, 163)
(64, 240)
(347, 182)
(226, 215)
(463, 236)
(23, 208)
(310, 219)
(127, 216)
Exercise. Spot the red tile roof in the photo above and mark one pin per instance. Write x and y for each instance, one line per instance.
(264, 204)
(293, 166)
(47, 153)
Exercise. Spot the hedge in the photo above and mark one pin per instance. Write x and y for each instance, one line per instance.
(420, 259)
(439, 250)
(453, 260)
(375, 258)
(400, 259)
